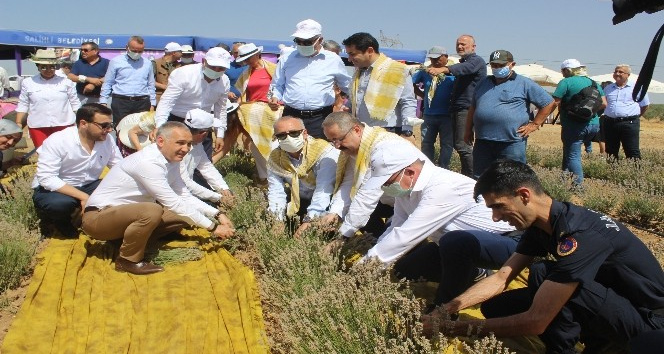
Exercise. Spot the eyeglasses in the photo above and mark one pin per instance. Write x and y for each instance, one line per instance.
(292, 134)
(46, 67)
(104, 126)
(305, 42)
(336, 142)
(85, 50)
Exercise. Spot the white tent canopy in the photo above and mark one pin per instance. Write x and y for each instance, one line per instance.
(539, 74)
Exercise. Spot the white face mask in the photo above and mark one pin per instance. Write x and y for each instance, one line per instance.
(211, 74)
(186, 60)
(395, 190)
(306, 50)
(291, 144)
(132, 55)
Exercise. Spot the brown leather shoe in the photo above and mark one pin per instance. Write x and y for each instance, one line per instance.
(140, 268)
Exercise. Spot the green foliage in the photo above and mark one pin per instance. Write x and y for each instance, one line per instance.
(16, 205)
(655, 112)
(556, 183)
(175, 255)
(16, 249)
(600, 196)
(640, 209)
(237, 161)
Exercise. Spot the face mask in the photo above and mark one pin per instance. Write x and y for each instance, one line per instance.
(395, 190)
(132, 55)
(186, 60)
(307, 50)
(291, 144)
(211, 73)
(501, 73)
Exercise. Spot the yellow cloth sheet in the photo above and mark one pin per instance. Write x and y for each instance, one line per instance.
(78, 303)
(258, 120)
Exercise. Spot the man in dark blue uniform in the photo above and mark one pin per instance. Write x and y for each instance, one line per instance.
(605, 288)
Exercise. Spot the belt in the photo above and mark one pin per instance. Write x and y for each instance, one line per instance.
(622, 119)
(131, 98)
(90, 208)
(309, 113)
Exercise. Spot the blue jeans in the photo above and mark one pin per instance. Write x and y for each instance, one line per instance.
(486, 152)
(454, 262)
(441, 126)
(574, 134)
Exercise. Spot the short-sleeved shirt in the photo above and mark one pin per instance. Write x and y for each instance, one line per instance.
(500, 109)
(589, 246)
(569, 87)
(440, 104)
(96, 70)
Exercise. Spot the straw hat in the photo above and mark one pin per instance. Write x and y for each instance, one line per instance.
(247, 50)
(44, 56)
(129, 122)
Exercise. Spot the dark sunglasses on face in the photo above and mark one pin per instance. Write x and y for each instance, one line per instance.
(104, 126)
(292, 134)
(305, 42)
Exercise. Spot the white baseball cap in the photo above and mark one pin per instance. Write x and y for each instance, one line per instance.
(570, 64)
(172, 47)
(187, 49)
(389, 158)
(200, 119)
(307, 29)
(218, 57)
(8, 127)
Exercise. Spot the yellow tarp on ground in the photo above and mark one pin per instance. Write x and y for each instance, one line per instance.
(78, 303)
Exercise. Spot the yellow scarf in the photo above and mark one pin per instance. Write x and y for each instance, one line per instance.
(243, 79)
(281, 164)
(370, 137)
(384, 88)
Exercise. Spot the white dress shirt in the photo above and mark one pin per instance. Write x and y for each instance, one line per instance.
(356, 212)
(49, 103)
(441, 201)
(187, 89)
(63, 160)
(147, 177)
(4, 81)
(197, 159)
(307, 83)
(325, 171)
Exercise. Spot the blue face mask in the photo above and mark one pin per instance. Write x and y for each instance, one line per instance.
(501, 73)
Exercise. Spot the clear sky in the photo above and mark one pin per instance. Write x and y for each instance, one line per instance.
(542, 31)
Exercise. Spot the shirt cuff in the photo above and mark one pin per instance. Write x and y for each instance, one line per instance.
(346, 230)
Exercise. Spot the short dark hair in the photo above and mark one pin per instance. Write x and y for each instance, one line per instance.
(362, 41)
(504, 177)
(223, 45)
(87, 112)
(137, 39)
(332, 46)
(66, 64)
(94, 45)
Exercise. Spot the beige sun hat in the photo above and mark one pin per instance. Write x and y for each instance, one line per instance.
(45, 56)
(129, 122)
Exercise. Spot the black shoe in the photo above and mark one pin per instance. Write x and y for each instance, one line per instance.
(67, 230)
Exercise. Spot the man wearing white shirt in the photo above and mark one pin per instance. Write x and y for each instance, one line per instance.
(301, 162)
(70, 163)
(305, 79)
(434, 204)
(145, 196)
(200, 122)
(201, 86)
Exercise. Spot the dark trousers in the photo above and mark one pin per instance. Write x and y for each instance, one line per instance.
(123, 107)
(313, 123)
(595, 314)
(56, 207)
(464, 150)
(376, 224)
(454, 261)
(625, 133)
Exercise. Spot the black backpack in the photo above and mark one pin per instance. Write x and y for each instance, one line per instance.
(584, 105)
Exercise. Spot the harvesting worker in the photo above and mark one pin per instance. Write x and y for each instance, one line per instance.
(301, 172)
(10, 135)
(69, 165)
(601, 286)
(144, 197)
(438, 232)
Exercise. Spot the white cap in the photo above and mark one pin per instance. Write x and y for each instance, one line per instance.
(570, 64)
(200, 119)
(307, 29)
(389, 158)
(173, 47)
(218, 57)
(187, 49)
(8, 127)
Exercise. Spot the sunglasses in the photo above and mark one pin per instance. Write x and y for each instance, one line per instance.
(292, 134)
(104, 126)
(305, 42)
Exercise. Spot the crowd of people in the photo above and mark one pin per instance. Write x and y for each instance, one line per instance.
(336, 151)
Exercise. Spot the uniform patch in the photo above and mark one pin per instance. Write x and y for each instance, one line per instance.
(566, 246)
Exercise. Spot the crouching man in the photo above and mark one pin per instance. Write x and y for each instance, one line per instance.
(604, 288)
(144, 197)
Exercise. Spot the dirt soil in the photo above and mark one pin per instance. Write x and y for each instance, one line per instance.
(652, 137)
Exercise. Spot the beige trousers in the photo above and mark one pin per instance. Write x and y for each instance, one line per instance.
(135, 224)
